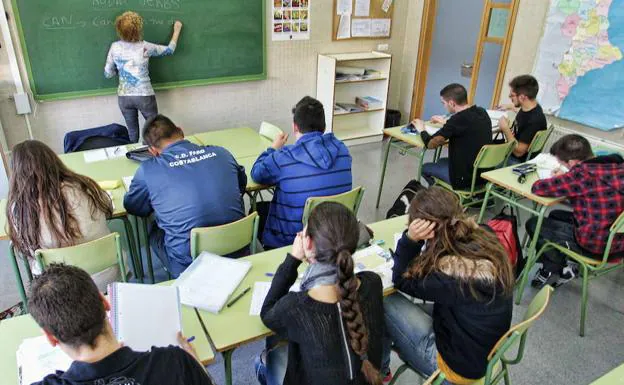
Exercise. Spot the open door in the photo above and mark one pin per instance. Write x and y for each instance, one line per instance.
(463, 42)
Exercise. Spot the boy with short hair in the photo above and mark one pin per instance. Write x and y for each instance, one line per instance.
(529, 120)
(186, 186)
(595, 188)
(318, 164)
(67, 305)
(467, 131)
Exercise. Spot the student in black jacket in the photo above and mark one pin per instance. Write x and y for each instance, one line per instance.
(444, 257)
(72, 313)
(334, 325)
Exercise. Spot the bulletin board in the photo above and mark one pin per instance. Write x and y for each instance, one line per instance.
(376, 16)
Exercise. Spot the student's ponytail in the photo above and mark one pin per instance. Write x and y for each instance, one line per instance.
(352, 315)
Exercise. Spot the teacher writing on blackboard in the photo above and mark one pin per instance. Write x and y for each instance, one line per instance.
(129, 58)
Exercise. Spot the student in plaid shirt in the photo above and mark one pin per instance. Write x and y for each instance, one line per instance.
(594, 187)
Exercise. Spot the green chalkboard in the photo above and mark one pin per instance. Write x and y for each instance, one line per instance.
(65, 43)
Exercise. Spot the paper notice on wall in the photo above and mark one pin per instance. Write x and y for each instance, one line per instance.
(386, 5)
(362, 8)
(380, 27)
(344, 27)
(361, 28)
(291, 20)
(344, 7)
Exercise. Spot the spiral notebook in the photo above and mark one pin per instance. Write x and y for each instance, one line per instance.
(210, 280)
(143, 316)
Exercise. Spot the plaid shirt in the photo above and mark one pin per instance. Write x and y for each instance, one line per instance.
(595, 189)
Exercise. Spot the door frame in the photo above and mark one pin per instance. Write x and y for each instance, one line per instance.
(427, 29)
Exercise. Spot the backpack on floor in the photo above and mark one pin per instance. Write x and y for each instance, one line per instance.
(506, 229)
(401, 204)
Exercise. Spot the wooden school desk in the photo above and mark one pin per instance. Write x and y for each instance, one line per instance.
(504, 178)
(14, 330)
(234, 327)
(241, 142)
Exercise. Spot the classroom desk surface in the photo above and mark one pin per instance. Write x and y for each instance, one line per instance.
(248, 162)
(12, 332)
(411, 139)
(192, 327)
(234, 326)
(241, 142)
(614, 377)
(504, 177)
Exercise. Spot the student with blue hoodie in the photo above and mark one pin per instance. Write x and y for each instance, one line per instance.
(317, 164)
(185, 186)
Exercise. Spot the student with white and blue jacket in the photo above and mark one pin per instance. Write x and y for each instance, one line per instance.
(318, 164)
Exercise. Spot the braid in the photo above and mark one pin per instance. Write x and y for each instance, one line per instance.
(352, 314)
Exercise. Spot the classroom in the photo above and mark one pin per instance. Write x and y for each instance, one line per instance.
(312, 192)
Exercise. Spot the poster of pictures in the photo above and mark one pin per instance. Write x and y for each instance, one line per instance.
(291, 20)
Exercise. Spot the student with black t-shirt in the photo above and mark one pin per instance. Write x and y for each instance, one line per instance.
(529, 120)
(467, 130)
(72, 313)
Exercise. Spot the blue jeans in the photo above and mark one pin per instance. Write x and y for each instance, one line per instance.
(409, 327)
(157, 243)
(440, 170)
(271, 363)
(130, 107)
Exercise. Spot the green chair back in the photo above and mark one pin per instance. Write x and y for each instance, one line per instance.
(226, 239)
(93, 257)
(269, 130)
(538, 142)
(515, 337)
(350, 199)
(492, 155)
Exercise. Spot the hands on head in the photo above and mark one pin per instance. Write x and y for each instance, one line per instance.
(421, 229)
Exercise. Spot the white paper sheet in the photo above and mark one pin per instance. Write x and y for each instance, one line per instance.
(431, 130)
(95, 155)
(362, 8)
(344, 27)
(36, 358)
(344, 7)
(496, 114)
(397, 238)
(260, 291)
(127, 181)
(361, 27)
(380, 27)
(116, 152)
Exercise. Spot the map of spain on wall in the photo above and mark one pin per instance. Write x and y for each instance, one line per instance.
(580, 64)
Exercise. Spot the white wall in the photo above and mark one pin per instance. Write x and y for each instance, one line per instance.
(291, 75)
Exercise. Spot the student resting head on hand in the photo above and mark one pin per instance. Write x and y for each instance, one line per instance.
(334, 325)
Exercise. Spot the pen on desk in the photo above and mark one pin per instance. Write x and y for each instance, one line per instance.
(269, 274)
(233, 301)
(190, 339)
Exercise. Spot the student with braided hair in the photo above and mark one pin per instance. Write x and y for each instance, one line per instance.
(334, 325)
(444, 257)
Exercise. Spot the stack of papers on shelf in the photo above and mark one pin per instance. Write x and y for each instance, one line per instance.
(346, 108)
(210, 280)
(345, 70)
(36, 358)
(368, 102)
(367, 75)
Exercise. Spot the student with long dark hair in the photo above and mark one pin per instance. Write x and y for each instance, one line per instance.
(446, 258)
(50, 206)
(334, 325)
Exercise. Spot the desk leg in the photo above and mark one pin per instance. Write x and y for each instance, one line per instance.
(383, 171)
(485, 201)
(227, 364)
(18, 277)
(148, 249)
(134, 254)
(531, 255)
(421, 160)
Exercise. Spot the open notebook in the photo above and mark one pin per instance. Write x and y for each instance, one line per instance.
(36, 358)
(136, 307)
(210, 280)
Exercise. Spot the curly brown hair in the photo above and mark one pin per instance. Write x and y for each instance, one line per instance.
(457, 235)
(129, 26)
(335, 232)
(36, 196)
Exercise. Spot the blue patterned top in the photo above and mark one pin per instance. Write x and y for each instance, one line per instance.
(131, 62)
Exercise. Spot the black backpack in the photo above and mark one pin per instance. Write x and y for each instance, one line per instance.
(401, 204)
